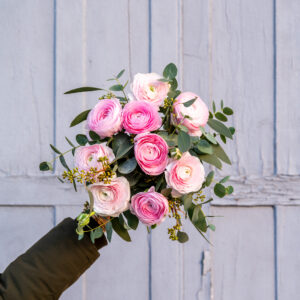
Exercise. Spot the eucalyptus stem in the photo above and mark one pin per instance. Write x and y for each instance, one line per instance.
(122, 89)
(62, 154)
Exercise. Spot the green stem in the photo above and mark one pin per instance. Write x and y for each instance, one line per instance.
(122, 89)
(53, 160)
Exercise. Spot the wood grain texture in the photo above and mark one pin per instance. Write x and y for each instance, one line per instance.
(243, 254)
(26, 83)
(288, 261)
(70, 69)
(243, 75)
(288, 88)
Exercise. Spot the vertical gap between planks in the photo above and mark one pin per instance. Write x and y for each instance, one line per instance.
(54, 215)
(84, 55)
(275, 253)
(274, 90)
(149, 69)
(180, 45)
(129, 40)
(54, 79)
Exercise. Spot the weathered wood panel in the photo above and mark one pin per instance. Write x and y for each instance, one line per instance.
(288, 254)
(166, 256)
(243, 75)
(26, 83)
(20, 228)
(288, 88)
(243, 254)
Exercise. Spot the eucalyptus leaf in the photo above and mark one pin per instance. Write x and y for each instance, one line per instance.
(46, 166)
(204, 146)
(132, 220)
(187, 201)
(174, 94)
(220, 153)
(198, 218)
(83, 89)
(209, 178)
(81, 139)
(227, 111)
(55, 149)
(170, 71)
(116, 88)
(220, 190)
(108, 227)
(63, 162)
(94, 136)
(127, 166)
(120, 230)
(232, 130)
(226, 178)
(189, 102)
(229, 190)
(214, 106)
(221, 117)
(69, 142)
(182, 236)
(211, 159)
(80, 118)
(120, 74)
(211, 227)
(184, 141)
(174, 84)
(219, 127)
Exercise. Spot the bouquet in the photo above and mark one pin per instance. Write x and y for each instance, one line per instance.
(142, 156)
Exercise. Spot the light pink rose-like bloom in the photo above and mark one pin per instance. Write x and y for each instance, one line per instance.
(106, 117)
(151, 153)
(140, 116)
(198, 113)
(185, 175)
(86, 157)
(147, 87)
(111, 199)
(150, 207)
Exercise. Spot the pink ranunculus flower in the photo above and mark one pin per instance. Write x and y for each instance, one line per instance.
(151, 153)
(106, 117)
(86, 157)
(111, 199)
(197, 113)
(147, 87)
(140, 116)
(150, 207)
(185, 175)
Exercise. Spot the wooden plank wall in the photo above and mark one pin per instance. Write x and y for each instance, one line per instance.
(245, 52)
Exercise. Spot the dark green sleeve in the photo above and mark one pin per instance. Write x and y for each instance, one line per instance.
(50, 266)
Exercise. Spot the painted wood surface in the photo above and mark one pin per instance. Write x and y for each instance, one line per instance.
(245, 52)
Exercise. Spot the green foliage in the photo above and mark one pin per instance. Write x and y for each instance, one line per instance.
(212, 227)
(55, 149)
(120, 230)
(69, 142)
(109, 230)
(219, 127)
(184, 141)
(209, 178)
(204, 146)
(84, 89)
(80, 118)
(187, 201)
(116, 88)
(132, 220)
(199, 219)
(221, 117)
(220, 153)
(170, 71)
(120, 74)
(94, 136)
(127, 166)
(211, 159)
(220, 190)
(46, 166)
(95, 234)
(81, 139)
(189, 102)
(182, 237)
(227, 111)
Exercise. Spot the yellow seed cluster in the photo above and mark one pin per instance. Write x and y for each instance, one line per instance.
(107, 96)
(168, 102)
(174, 208)
(199, 197)
(104, 174)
